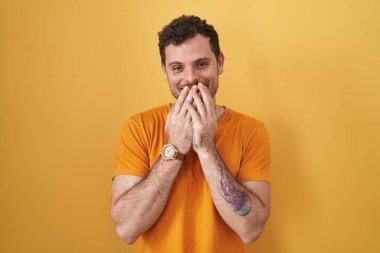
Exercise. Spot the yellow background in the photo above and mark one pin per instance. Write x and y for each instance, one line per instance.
(71, 73)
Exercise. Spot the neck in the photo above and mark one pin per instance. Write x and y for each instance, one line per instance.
(219, 111)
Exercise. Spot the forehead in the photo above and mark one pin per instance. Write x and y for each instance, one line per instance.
(190, 50)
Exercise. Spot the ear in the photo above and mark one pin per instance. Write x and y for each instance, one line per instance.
(220, 63)
(164, 70)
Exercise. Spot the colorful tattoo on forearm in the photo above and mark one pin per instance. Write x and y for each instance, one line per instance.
(238, 199)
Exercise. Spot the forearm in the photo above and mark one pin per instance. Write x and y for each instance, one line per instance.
(240, 208)
(139, 208)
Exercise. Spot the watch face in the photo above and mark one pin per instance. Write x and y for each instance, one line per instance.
(168, 152)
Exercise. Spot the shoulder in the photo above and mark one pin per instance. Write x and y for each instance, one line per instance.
(149, 120)
(252, 132)
(242, 120)
(151, 114)
(249, 130)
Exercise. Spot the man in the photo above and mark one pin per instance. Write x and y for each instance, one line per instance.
(191, 176)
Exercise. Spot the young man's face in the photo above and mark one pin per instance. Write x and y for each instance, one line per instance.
(192, 62)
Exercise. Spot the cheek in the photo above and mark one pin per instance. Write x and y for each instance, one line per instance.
(174, 80)
(173, 85)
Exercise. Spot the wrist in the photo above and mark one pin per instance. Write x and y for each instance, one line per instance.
(171, 152)
(204, 153)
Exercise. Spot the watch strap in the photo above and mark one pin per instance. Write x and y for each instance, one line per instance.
(179, 156)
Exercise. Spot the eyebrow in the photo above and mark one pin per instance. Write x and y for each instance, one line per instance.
(197, 60)
(174, 62)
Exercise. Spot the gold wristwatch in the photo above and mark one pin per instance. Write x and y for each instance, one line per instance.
(169, 152)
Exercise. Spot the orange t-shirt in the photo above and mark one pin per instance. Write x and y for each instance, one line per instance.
(190, 222)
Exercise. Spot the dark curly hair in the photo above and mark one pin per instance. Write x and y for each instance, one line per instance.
(186, 27)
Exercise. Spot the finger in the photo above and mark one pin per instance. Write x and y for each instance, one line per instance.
(188, 117)
(189, 99)
(194, 115)
(198, 102)
(194, 105)
(206, 98)
(195, 87)
(181, 98)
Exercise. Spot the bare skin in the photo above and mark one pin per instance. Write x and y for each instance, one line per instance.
(137, 203)
(244, 207)
(243, 210)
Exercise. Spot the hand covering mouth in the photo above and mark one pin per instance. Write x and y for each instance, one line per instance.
(191, 85)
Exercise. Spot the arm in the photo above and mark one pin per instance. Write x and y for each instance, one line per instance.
(137, 203)
(244, 207)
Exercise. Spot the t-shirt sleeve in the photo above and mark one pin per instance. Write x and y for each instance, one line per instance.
(255, 162)
(132, 156)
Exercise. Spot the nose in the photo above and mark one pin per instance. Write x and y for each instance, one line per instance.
(192, 76)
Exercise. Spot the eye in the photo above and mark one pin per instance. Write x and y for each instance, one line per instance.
(202, 64)
(176, 68)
